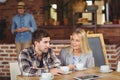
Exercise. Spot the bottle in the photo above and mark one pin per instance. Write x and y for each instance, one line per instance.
(118, 66)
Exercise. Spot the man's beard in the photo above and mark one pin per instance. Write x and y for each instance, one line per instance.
(45, 51)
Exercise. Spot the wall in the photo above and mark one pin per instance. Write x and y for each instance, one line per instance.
(8, 54)
(113, 54)
(111, 32)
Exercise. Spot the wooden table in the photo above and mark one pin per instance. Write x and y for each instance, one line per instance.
(106, 76)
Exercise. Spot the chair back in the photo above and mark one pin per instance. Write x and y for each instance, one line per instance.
(97, 45)
(14, 70)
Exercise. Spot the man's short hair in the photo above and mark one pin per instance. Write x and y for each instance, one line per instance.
(39, 34)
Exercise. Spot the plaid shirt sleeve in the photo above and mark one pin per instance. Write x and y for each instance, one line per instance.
(56, 61)
(52, 60)
(26, 65)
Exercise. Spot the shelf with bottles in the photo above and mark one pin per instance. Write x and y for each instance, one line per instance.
(79, 19)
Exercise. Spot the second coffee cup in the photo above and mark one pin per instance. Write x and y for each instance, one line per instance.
(79, 66)
(65, 68)
(104, 68)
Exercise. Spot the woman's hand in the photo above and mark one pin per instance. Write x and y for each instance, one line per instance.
(71, 66)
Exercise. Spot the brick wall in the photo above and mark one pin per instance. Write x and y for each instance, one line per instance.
(8, 54)
(113, 54)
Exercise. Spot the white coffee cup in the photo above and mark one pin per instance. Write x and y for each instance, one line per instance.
(104, 68)
(79, 66)
(47, 76)
(65, 68)
(118, 66)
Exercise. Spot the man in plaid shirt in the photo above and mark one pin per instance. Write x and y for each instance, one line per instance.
(39, 58)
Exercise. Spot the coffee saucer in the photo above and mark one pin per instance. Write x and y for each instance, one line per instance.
(68, 72)
(105, 71)
(81, 69)
(44, 79)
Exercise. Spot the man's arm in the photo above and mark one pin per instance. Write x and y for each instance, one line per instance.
(33, 26)
(56, 61)
(26, 65)
(13, 26)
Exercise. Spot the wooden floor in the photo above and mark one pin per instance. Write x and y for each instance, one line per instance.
(4, 78)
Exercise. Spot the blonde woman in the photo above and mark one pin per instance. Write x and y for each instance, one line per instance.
(78, 52)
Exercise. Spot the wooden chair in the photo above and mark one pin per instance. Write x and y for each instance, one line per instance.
(97, 45)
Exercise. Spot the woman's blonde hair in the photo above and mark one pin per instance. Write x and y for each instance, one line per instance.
(84, 40)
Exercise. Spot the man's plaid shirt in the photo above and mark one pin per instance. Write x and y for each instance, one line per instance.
(30, 65)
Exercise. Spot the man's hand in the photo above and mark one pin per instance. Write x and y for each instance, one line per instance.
(56, 71)
(23, 29)
(17, 30)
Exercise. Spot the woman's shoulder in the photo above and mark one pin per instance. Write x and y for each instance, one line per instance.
(89, 54)
(67, 49)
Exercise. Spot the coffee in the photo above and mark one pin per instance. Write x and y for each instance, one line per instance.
(118, 66)
(79, 66)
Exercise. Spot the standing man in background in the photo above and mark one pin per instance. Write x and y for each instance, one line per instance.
(23, 25)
